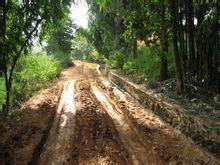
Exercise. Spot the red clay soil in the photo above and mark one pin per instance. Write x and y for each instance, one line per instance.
(170, 145)
(93, 123)
(21, 140)
(58, 147)
(96, 139)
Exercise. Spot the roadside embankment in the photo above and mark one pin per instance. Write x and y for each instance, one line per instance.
(191, 125)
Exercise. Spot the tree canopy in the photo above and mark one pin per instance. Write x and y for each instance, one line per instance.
(162, 38)
(188, 27)
(21, 22)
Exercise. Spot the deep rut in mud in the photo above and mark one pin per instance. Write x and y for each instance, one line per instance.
(140, 151)
(96, 139)
(100, 133)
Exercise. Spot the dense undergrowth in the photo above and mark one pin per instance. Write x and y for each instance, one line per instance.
(32, 73)
(28, 67)
(145, 67)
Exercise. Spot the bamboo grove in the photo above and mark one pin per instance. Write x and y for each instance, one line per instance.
(188, 27)
(195, 42)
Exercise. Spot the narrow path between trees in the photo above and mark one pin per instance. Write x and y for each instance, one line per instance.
(92, 126)
(97, 123)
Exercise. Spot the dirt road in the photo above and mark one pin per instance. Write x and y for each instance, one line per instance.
(97, 123)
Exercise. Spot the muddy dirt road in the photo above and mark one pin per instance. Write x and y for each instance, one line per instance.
(96, 123)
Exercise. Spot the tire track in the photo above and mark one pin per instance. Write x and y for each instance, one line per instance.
(58, 145)
(96, 140)
(140, 151)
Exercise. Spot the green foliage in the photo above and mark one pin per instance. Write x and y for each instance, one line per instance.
(103, 27)
(81, 48)
(146, 65)
(129, 67)
(21, 22)
(118, 59)
(59, 42)
(60, 38)
(64, 59)
(116, 24)
(93, 56)
(84, 49)
(32, 73)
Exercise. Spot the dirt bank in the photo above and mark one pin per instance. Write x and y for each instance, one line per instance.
(199, 127)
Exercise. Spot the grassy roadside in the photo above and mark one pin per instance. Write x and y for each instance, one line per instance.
(33, 73)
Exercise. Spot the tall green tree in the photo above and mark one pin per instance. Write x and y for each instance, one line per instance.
(192, 26)
(194, 31)
(59, 41)
(102, 24)
(178, 64)
(21, 22)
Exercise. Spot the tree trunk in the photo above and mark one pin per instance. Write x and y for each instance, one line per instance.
(163, 67)
(182, 44)
(190, 29)
(163, 43)
(1, 40)
(199, 50)
(179, 77)
(135, 48)
(218, 71)
(6, 105)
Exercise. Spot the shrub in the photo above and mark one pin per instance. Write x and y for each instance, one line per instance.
(64, 58)
(129, 67)
(97, 57)
(118, 58)
(90, 56)
(32, 73)
(146, 65)
(148, 61)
